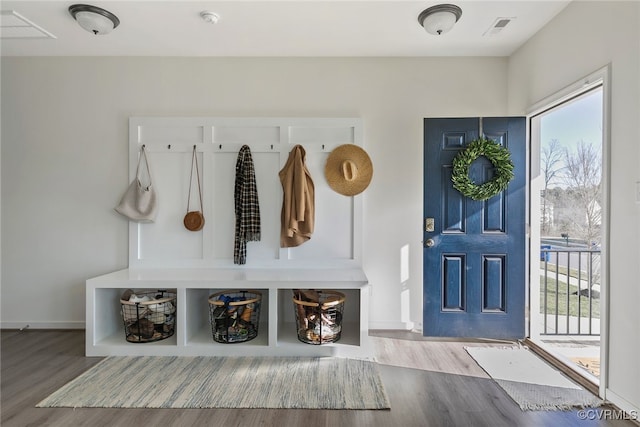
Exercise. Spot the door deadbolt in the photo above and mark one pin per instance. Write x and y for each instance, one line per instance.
(429, 225)
(429, 243)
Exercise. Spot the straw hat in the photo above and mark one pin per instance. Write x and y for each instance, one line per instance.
(348, 170)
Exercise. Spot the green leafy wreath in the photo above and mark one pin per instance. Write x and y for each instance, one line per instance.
(497, 155)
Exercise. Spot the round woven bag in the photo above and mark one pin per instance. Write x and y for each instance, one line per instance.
(194, 221)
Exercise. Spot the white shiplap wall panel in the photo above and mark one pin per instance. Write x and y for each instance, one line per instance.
(169, 141)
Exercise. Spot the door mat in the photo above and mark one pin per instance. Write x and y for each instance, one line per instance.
(225, 382)
(532, 383)
(589, 364)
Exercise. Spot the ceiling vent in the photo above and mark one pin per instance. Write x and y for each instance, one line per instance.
(498, 25)
(15, 26)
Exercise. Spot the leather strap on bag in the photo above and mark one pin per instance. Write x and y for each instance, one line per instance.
(194, 220)
(143, 153)
(194, 161)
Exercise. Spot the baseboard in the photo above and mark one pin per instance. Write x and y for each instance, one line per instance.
(42, 325)
(632, 411)
(403, 326)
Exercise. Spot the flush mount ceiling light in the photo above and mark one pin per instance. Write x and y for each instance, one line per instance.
(94, 19)
(439, 19)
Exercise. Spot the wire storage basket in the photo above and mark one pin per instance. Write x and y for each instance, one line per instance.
(234, 315)
(148, 315)
(318, 315)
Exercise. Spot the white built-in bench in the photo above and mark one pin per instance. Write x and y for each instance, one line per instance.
(277, 334)
(164, 255)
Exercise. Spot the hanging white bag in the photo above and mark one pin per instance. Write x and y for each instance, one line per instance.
(139, 203)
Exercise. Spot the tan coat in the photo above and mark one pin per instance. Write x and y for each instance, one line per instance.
(298, 211)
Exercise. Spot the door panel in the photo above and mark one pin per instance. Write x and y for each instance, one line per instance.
(454, 212)
(474, 273)
(494, 220)
(453, 277)
(493, 285)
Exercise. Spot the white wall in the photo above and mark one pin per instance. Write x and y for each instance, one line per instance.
(65, 148)
(583, 38)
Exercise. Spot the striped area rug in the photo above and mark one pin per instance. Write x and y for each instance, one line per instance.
(225, 382)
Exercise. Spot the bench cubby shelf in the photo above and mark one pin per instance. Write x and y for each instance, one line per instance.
(277, 332)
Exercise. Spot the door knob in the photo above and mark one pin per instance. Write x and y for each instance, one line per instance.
(429, 243)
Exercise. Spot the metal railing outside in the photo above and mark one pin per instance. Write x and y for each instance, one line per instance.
(570, 291)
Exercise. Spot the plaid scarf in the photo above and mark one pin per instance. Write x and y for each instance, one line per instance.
(246, 206)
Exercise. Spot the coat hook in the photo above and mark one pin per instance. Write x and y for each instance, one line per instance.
(323, 146)
(272, 146)
(169, 146)
(220, 147)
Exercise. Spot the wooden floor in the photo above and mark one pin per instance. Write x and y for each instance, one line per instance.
(429, 383)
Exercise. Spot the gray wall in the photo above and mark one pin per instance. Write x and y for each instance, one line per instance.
(65, 142)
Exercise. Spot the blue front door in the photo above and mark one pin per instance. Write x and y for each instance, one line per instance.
(474, 270)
